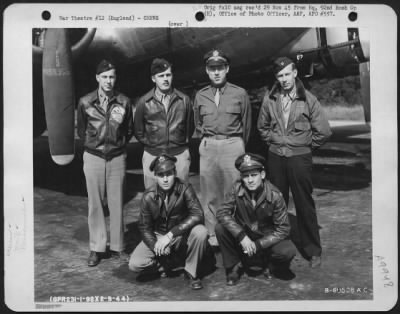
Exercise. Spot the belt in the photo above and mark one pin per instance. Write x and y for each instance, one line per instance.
(219, 136)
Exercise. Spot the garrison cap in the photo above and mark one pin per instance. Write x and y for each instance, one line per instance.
(163, 163)
(281, 63)
(249, 161)
(159, 65)
(104, 66)
(216, 57)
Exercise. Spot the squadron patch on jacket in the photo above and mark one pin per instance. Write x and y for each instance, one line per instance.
(117, 114)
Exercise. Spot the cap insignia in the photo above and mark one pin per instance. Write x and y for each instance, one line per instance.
(247, 160)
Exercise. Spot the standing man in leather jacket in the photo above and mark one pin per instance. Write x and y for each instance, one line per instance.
(223, 119)
(164, 122)
(254, 224)
(105, 125)
(171, 221)
(292, 123)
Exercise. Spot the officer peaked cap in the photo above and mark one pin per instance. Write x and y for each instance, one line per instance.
(216, 57)
(163, 163)
(249, 161)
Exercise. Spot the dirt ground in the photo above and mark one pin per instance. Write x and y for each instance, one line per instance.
(342, 181)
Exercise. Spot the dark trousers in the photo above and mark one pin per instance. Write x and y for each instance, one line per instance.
(295, 172)
(280, 254)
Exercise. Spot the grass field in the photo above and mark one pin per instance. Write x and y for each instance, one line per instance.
(340, 97)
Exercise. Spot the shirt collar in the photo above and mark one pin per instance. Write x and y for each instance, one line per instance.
(221, 89)
(159, 95)
(257, 193)
(102, 95)
(264, 192)
(292, 94)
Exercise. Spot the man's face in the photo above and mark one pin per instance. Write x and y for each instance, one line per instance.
(163, 80)
(165, 180)
(217, 74)
(287, 77)
(253, 179)
(107, 80)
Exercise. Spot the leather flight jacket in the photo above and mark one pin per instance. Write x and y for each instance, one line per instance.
(267, 223)
(105, 133)
(162, 131)
(179, 217)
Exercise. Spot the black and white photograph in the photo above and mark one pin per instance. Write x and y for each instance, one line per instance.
(211, 154)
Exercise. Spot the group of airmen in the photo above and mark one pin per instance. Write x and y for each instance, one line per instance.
(241, 212)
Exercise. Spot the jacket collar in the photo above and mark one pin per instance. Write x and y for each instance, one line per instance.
(101, 94)
(94, 96)
(300, 90)
(266, 192)
(152, 94)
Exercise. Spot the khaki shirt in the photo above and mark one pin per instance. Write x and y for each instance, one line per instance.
(232, 117)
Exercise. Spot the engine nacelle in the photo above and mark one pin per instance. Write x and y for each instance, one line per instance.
(336, 49)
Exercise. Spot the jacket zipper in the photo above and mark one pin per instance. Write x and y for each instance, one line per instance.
(106, 140)
(167, 121)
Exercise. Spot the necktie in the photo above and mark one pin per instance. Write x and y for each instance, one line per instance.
(286, 103)
(253, 201)
(165, 101)
(105, 103)
(166, 203)
(217, 97)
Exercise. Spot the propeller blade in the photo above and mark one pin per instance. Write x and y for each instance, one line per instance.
(59, 95)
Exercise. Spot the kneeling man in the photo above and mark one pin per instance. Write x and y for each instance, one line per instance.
(253, 223)
(171, 220)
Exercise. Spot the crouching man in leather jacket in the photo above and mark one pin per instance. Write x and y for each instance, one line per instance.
(254, 225)
(171, 221)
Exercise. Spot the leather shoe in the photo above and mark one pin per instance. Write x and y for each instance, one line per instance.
(233, 275)
(94, 259)
(267, 274)
(162, 272)
(122, 256)
(195, 283)
(315, 261)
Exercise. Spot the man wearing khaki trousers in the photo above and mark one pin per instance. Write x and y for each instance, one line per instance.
(105, 124)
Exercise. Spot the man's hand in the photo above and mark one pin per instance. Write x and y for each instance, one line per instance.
(161, 246)
(248, 246)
